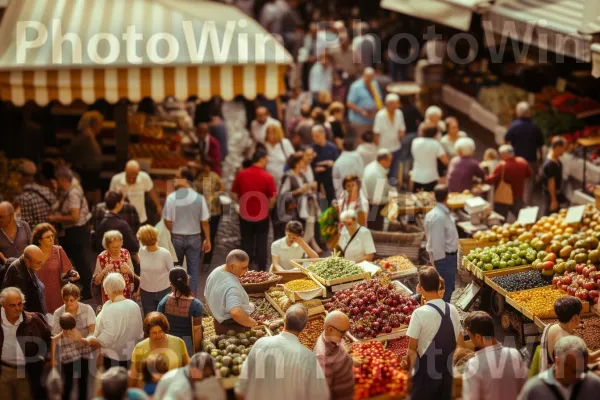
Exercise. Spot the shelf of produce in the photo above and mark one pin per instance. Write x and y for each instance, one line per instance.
(408, 268)
(293, 295)
(287, 276)
(262, 286)
(506, 271)
(530, 314)
(328, 282)
(396, 333)
(311, 310)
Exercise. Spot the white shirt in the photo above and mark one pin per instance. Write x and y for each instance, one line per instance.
(425, 152)
(368, 152)
(320, 78)
(495, 373)
(119, 328)
(11, 351)
(426, 321)
(174, 385)
(259, 132)
(376, 184)
(154, 269)
(286, 253)
(135, 193)
(449, 146)
(361, 245)
(388, 130)
(348, 163)
(278, 156)
(290, 371)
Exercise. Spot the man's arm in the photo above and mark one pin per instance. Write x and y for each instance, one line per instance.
(206, 246)
(239, 316)
(310, 253)
(411, 355)
(154, 197)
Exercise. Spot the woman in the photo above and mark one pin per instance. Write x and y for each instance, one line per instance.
(85, 152)
(353, 198)
(453, 133)
(433, 115)
(290, 247)
(114, 259)
(279, 149)
(155, 265)
(183, 310)
(211, 186)
(85, 319)
(426, 151)
(158, 341)
(356, 242)
(463, 169)
(56, 265)
(336, 120)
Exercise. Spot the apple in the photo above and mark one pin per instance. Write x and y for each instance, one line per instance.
(594, 294)
(566, 280)
(579, 268)
(548, 265)
(564, 288)
(555, 281)
(580, 281)
(587, 270)
(572, 290)
(582, 294)
(589, 285)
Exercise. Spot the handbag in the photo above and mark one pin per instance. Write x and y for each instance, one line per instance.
(64, 280)
(503, 193)
(349, 241)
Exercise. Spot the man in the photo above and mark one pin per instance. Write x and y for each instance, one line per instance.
(321, 75)
(434, 333)
(225, 296)
(527, 139)
(14, 235)
(128, 213)
(24, 345)
(325, 155)
(333, 357)
(348, 163)
(280, 367)
(367, 149)
(344, 57)
(375, 181)
(36, 201)
(383, 80)
(112, 221)
(209, 146)
(442, 239)
(364, 100)
(186, 217)
(552, 176)
(134, 184)
(254, 189)
(514, 171)
(302, 130)
(389, 129)
(21, 274)
(568, 377)
(258, 127)
(496, 372)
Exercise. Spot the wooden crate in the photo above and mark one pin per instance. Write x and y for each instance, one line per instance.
(260, 287)
(395, 334)
(501, 272)
(403, 273)
(294, 296)
(327, 282)
(287, 276)
(528, 313)
(311, 311)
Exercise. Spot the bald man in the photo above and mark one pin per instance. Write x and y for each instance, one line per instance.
(258, 128)
(14, 235)
(21, 274)
(135, 183)
(333, 357)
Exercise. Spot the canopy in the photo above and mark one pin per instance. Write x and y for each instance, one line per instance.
(454, 13)
(110, 49)
(560, 26)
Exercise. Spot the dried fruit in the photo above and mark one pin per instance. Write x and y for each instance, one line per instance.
(300, 285)
(540, 301)
(310, 334)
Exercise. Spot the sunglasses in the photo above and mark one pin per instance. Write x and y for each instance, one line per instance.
(340, 331)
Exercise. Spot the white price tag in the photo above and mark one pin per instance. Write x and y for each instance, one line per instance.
(574, 214)
(561, 84)
(528, 216)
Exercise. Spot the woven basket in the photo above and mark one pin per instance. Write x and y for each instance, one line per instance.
(393, 243)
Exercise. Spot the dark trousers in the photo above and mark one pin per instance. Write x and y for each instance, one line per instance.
(446, 267)
(76, 245)
(504, 209)
(109, 362)
(215, 220)
(375, 219)
(426, 187)
(78, 369)
(254, 241)
(150, 300)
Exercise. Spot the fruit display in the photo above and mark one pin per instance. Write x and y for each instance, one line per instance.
(374, 307)
(284, 302)
(398, 346)
(253, 277)
(582, 283)
(310, 334)
(263, 310)
(230, 350)
(395, 264)
(301, 285)
(511, 254)
(208, 328)
(427, 199)
(500, 233)
(161, 155)
(379, 371)
(588, 331)
(335, 267)
(520, 281)
(276, 327)
(540, 301)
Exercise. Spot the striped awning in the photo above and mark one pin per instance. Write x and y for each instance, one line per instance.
(184, 48)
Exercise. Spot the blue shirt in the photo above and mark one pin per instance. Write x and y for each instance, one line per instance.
(360, 96)
(442, 236)
(526, 138)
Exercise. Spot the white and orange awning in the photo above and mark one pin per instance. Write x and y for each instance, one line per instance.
(181, 48)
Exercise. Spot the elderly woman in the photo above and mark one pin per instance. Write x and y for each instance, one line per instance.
(433, 115)
(464, 168)
(279, 149)
(158, 340)
(56, 265)
(426, 151)
(453, 133)
(155, 265)
(353, 198)
(114, 259)
(183, 310)
(356, 242)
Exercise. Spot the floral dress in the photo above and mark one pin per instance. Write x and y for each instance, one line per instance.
(105, 260)
(50, 275)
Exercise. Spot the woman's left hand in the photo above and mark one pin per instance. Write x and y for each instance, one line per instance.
(125, 269)
(75, 276)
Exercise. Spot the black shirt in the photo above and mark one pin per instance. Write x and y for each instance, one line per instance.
(412, 118)
(526, 138)
(336, 129)
(552, 169)
(113, 222)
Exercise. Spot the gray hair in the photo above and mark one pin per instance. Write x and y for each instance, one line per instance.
(64, 173)
(114, 383)
(392, 98)
(114, 283)
(4, 293)
(236, 256)
(111, 236)
(383, 154)
(348, 214)
(465, 145)
(433, 110)
(368, 71)
(507, 150)
(570, 345)
(296, 318)
(523, 109)
(318, 128)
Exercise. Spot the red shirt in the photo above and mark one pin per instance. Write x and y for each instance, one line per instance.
(516, 171)
(254, 187)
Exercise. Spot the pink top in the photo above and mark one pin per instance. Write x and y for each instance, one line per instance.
(50, 274)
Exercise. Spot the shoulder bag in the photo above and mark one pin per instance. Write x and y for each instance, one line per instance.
(350, 241)
(504, 192)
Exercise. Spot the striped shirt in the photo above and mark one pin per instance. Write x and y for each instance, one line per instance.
(338, 368)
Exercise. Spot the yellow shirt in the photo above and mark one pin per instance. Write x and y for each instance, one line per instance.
(176, 353)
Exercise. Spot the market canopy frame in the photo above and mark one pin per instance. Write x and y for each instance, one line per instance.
(254, 64)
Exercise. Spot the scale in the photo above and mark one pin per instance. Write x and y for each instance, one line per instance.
(478, 210)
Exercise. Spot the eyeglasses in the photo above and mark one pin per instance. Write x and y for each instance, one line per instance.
(51, 236)
(341, 332)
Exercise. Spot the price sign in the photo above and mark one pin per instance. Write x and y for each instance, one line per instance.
(561, 84)
(528, 216)
(574, 214)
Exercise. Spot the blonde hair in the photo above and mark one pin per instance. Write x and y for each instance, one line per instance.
(276, 130)
(335, 107)
(147, 235)
(111, 236)
(89, 119)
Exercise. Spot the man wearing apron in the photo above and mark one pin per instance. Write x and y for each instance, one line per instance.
(434, 332)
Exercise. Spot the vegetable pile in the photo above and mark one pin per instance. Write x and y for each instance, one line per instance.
(264, 311)
(378, 373)
(230, 350)
(520, 281)
(395, 264)
(257, 277)
(335, 267)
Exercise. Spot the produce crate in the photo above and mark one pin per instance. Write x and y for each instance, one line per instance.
(412, 270)
(261, 287)
(327, 282)
(395, 334)
(481, 275)
(287, 276)
(294, 297)
(501, 272)
(528, 313)
(311, 311)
